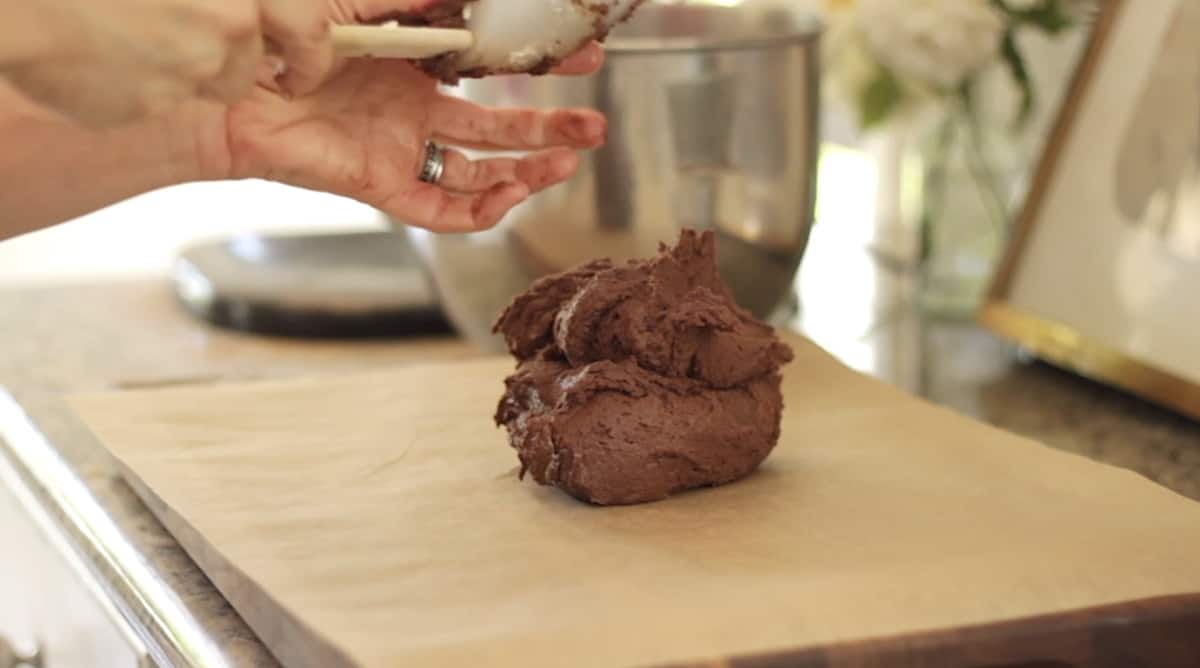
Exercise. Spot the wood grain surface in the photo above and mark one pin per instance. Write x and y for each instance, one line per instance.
(376, 520)
(1163, 632)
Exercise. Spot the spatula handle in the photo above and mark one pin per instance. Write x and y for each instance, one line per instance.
(398, 42)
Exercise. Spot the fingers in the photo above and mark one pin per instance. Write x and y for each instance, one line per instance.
(369, 11)
(458, 121)
(433, 208)
(583, 62)
(537, 171)
(299, 31)
(476, 195)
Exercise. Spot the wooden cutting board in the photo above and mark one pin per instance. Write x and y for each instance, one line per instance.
(376, 520)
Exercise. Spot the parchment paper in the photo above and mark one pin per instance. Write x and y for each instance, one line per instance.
(383, 512)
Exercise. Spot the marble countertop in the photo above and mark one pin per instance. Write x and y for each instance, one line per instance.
(85, 337)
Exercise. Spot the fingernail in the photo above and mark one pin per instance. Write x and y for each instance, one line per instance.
(265, 78)
(588, 129)
(271, 71)
(601, 131)
(518, 191)
(275, 65)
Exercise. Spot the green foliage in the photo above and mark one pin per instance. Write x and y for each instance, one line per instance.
(1020, 76)
(1049, 16)
(882, 97)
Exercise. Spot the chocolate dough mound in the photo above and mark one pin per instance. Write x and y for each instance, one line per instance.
(641, 380)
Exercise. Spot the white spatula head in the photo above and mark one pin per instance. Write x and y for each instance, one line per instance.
(533, 35)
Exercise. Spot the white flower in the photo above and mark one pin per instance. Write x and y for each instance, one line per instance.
(939, 42)
(851, 66)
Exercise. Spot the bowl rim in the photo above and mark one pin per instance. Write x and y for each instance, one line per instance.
(809, 29)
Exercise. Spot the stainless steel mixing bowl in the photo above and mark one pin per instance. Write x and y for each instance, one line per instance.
(713, 124)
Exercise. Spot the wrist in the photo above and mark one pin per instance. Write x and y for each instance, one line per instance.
(59, 170)
(197, 145)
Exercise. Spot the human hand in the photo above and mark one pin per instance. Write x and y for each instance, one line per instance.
(362, 135)
(108, 63)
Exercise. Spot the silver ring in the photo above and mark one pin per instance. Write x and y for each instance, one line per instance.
(435, 163)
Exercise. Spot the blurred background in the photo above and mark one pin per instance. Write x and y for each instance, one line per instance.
(870, 178)
(932, 117)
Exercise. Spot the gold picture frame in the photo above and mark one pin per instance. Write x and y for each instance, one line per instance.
(1057, 340)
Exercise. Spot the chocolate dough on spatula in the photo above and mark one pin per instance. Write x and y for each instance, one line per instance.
(637, 381)
(513, 36)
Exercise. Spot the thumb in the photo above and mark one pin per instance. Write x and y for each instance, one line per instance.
(405, 11)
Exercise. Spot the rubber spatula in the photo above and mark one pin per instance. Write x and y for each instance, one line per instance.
(399, 41)
(498, 36)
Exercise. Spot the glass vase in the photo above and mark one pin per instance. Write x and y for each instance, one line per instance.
(968, 180)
